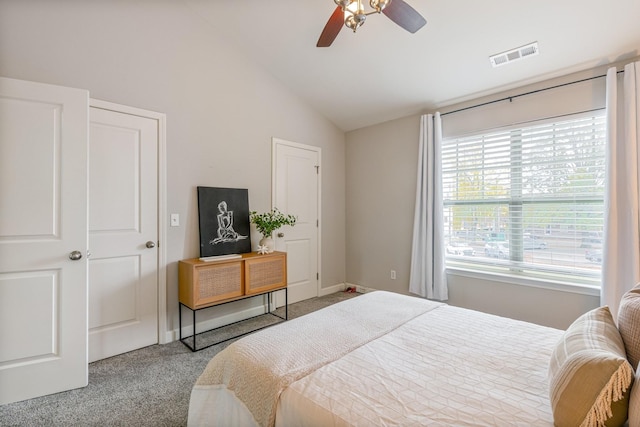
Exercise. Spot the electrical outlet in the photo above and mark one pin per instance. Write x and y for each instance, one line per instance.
(393, 275)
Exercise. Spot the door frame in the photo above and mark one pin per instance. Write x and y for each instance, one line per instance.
(274, 143)
(163, 333)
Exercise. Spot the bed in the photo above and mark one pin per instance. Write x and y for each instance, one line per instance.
(389, 359)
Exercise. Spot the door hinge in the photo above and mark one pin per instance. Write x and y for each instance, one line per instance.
(317, 223)
(317, 276)
(317, 169)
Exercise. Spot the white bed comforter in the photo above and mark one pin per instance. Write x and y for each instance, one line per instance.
(253, 371)
(445, 366)
(448, 367)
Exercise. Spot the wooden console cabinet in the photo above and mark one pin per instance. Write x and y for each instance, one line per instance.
(204, 284)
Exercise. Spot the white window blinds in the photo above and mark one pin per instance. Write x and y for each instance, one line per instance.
(528, 200)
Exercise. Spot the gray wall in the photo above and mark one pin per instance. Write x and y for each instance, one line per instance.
(222, 110)
(381, 183)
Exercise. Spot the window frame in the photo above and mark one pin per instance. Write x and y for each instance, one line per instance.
(513, 271)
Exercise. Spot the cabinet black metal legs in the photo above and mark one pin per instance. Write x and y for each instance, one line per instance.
(194, 335)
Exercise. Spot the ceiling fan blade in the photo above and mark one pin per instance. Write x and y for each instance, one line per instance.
(404, 15)
(331, 30)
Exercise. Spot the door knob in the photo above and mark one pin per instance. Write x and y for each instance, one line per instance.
(150, 244)
(280, 234)
(75, 255)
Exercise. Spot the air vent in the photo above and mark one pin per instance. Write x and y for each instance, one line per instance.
(514, 54)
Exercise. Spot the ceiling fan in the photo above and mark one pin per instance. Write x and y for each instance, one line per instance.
(351, 13)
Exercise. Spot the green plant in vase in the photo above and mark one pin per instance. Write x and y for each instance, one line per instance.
(268, 222)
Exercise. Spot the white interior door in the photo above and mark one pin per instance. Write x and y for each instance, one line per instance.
(123, 232)
(43, 219)
(296, 191)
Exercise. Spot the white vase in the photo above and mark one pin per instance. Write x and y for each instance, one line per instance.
(269, 243)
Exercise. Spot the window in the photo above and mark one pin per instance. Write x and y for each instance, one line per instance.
(528, 200)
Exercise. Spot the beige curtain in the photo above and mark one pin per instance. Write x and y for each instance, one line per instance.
(621, 247)
(427, 276)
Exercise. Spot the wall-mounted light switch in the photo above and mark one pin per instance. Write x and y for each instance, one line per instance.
(393, 275)
(175, 220)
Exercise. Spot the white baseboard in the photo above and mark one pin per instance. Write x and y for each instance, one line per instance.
(332, 289)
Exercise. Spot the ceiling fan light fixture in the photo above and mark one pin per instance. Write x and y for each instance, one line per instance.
(354, 15)
(354, 22)
(379, 5)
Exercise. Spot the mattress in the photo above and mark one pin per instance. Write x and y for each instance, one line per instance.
(439, 366)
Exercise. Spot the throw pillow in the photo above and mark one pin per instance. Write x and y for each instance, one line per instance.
(629, 324)
(589, 375)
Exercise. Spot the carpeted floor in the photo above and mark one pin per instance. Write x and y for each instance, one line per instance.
(146, 387)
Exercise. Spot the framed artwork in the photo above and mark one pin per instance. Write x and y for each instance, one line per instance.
(224, 221)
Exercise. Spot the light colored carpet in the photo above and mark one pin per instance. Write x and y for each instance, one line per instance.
(146, 387)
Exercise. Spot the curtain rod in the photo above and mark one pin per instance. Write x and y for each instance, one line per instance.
(510, 98)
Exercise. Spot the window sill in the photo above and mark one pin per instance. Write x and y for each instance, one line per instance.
(556, 285)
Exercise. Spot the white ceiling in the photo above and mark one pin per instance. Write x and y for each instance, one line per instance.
(384, 72)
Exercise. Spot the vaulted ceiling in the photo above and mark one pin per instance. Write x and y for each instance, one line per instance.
(383, 72)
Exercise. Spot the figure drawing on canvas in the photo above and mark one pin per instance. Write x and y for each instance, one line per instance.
(224, 221)
(226, 233)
